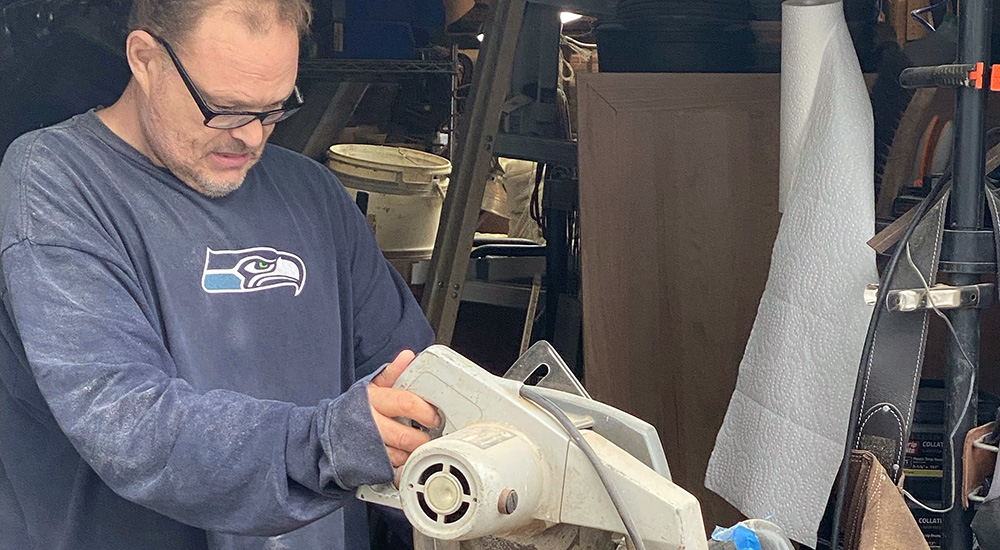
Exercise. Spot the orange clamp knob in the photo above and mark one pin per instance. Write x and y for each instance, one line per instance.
(976, 76)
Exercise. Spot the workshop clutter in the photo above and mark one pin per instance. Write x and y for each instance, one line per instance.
(400, 191)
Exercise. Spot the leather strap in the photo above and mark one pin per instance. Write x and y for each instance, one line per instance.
(892, 373)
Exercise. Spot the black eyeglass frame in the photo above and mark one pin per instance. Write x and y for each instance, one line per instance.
(266, 118)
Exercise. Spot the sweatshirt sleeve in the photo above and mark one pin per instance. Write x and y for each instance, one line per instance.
(218, 460)
(387, 318)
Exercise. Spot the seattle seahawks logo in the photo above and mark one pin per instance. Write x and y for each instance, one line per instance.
(252, 269)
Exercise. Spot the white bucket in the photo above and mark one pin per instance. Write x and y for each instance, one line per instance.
(400, 190)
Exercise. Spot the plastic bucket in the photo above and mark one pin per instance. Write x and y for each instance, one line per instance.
(399, 190)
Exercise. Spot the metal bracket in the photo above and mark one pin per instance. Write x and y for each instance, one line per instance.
(979, 296)
(515, 103)
(968, 251)
(557, 377)
(385, 494)
(560, 151)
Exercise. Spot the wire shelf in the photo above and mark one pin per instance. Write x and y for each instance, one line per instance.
(318, 68)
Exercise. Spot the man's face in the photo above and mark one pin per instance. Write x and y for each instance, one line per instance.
(233, 69)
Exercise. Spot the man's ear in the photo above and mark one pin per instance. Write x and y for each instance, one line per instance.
(145, 58)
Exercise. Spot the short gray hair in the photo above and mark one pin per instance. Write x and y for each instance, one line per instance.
(173, 19)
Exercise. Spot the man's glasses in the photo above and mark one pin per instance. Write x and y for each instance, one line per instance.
(228, 120)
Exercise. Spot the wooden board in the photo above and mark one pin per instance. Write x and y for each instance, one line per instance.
(678, 202)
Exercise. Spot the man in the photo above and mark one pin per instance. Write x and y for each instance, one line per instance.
(190, 314)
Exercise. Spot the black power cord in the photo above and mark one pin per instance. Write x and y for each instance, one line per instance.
(536, 397)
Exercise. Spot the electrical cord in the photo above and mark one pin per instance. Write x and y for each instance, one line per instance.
(579, 45)
(536, 397)
(890, 271)
(968, 397)
(535, 204)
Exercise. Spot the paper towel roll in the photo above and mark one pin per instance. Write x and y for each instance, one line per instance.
(807, 29)
(780, 445)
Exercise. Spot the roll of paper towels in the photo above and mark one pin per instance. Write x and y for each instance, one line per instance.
(782, 440)
(809, 29)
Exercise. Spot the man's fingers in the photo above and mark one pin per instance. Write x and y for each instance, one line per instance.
(388, 376)
(397, 458)
(388, 403)
(393, 402)
(399, 437)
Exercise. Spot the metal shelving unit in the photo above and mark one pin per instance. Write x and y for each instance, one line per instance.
(317, 69)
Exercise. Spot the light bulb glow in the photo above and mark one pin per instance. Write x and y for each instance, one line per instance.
(568, 17)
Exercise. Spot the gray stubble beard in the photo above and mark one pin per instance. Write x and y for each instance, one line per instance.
(189, 176)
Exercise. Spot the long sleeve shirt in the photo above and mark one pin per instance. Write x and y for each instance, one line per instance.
(180, 371)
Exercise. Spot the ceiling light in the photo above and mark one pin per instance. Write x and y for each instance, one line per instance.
(568, 17)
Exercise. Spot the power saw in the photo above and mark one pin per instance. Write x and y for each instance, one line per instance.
(531, 460)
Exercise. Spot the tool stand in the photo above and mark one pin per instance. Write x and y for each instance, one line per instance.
(946, 237)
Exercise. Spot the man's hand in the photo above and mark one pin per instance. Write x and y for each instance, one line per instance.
(388, 403)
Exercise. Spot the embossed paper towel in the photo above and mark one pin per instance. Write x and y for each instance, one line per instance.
(782, 440)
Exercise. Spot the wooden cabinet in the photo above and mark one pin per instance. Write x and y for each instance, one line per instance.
(678, 206)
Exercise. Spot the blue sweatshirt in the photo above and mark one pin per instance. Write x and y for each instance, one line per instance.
(185, 372)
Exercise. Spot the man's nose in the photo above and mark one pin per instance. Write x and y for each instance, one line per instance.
(252, 135)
